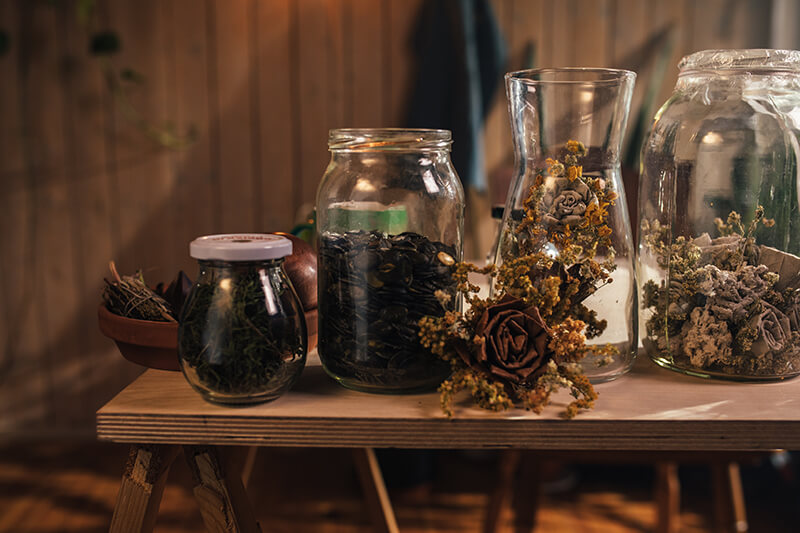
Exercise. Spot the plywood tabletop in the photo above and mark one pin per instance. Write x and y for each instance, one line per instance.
(648, 409)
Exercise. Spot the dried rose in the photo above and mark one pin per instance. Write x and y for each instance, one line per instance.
(774, 329)
(514, 342)
(564, 202)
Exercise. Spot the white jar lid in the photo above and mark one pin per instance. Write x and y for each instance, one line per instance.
(240, 247)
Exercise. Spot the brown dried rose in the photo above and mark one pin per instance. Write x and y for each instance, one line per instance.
(514, 347)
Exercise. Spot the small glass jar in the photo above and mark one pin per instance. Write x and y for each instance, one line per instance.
(242, 332)
(718, 203)
(390, 217)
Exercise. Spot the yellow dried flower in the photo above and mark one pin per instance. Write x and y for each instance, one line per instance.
(576, 147)
(574, 172)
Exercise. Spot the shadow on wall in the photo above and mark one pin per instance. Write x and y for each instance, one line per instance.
(83, 181)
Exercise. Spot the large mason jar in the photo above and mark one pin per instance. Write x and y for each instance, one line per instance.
(720, 226)
(390, 216)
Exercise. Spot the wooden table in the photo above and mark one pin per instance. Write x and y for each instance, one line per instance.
(648, 409)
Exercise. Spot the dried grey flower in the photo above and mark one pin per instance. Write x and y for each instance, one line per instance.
(774, 330)
(725, 252)
(706, 340)
(731, 295)
(564, 201)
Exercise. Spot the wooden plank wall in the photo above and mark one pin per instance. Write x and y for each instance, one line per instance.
(261, 82)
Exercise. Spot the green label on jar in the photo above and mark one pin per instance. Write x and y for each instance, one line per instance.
(367, 216)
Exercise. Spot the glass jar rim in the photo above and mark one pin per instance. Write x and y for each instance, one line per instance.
(590, 76)
(388, 139)
(750, 60)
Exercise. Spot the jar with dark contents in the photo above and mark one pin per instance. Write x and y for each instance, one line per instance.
(242, 332)
(390, 212)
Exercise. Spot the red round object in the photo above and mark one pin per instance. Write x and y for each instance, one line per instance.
(301, 267)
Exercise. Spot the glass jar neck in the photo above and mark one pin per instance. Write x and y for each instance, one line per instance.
(214, 268)
(737, 68)
(388, 140)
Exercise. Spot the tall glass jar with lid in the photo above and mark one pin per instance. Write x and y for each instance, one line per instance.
(390, 216)
(720, 221)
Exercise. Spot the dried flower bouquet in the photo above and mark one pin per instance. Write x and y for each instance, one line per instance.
(519, 346)
(731, 306)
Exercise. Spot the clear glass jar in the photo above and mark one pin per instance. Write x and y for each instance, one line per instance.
(242, 332)
(718, 203)
(390, 217)
(567, 126)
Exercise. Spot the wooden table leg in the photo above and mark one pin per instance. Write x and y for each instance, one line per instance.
(668, 497)
(375, 494)
(142, 487)
(527, 495)
(729, 509)
(219, 491)
(249, 462)
(500, 497)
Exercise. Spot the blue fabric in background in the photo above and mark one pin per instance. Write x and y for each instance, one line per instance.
(461, 58)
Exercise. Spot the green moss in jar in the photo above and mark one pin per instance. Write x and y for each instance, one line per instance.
(242, 334)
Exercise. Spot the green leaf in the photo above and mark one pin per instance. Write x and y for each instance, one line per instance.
(5, 43)
(104, 43)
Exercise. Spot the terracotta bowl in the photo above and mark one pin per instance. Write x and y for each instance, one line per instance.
(144, 342)
(155, 344)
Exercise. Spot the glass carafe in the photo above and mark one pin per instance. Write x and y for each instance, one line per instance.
(567, 126)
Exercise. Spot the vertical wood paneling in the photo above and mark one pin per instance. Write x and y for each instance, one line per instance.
(402, 14)
(192, 206)
(261, 81)
(314, 69)
(590, 28)
(24, 385)
(710, 31)
(496, 132)
(139, 175)
(544, 35)
(236, 173)
(632, 26)
(338, 91)
(55, 250)
(365, 74)
(277, 135)
(89, 198)
(143, 177)
(564, 53)
(671, 13)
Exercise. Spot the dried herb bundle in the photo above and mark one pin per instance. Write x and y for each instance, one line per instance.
(233, 345)
(130, 297)
(731, 307)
